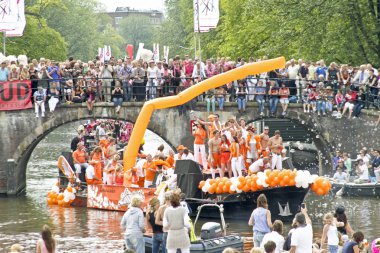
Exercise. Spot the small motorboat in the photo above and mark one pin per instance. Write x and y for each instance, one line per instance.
(213, 236)
(356, 190)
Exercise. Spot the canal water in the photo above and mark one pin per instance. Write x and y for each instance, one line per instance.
(86, 230)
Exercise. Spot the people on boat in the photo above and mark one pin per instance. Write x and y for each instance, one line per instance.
(176, 222)
(340, 175)
(362, 172)
(187, 155)
(214, 152)
(133, 223)
(264, 139)
(80, 158)
(47, 243)
(234, 158)
(275, 145)
(261, 220)
(254, 144)
(150, 168)
(200, 134)
(97, 163)
(225, 157)
(110, 170)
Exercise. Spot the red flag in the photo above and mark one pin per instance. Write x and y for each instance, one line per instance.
(129, 50)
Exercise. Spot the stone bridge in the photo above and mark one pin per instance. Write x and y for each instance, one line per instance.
(21, 131)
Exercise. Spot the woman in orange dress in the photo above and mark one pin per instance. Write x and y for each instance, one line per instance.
(98, 164)
(119, 178)
(110, 169)
(234, 158)
(225, 156)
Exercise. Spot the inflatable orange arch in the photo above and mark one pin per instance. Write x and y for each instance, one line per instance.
(131, 150)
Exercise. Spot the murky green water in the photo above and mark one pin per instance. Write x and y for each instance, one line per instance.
(86, 230)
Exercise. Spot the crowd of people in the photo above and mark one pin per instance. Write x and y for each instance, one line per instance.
(336, 90)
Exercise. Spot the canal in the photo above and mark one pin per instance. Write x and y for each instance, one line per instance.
(86, 230)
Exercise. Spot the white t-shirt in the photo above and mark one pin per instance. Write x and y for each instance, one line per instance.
(188, 157)
(365, 175)
(293, 71)
(276, 238)
(255, 167)
(302, 239)
(90, 172)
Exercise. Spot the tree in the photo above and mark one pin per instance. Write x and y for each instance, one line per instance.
(136, 29)
(38, 40)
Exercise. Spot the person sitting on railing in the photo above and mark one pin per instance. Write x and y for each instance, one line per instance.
(68, 91)
(90, 97)
(39, 101)
(361, 76)
(321, 100)
(284, 98)
(117, 97)
(360, 102)
(350, 103)
(333, 76)
(54, 97)
(339, 101)
(77, 94)
(259, 94)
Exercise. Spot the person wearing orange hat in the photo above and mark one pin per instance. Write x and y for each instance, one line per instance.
(180, 150)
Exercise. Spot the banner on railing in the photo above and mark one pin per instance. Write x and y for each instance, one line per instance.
(15, 95)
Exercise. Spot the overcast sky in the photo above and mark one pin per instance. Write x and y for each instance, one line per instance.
(136, 4)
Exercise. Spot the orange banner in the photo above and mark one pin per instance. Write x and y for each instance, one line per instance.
(115, 197)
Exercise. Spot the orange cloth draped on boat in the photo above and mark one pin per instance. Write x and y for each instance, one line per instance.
(97, 162)
(151, 168)
(258, 142)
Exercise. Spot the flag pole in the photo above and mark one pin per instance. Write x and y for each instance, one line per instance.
(4, 36)
(199, 34)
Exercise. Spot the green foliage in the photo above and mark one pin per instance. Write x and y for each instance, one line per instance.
(38, 40)
(343, 31)
(136, 29)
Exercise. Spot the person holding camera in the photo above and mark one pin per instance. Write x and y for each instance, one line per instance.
(117, 95)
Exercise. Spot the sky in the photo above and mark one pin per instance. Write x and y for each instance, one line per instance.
(136, 4)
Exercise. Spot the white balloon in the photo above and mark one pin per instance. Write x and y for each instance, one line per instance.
(55, 189)
(238, 190)
(298, 184)
(66, 199)
(204, 189)
(72, 196)
(233, 187)
(305, 185)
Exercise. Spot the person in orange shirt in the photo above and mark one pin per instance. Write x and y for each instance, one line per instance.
(150, 168)
(213, 124)
(243, 149)
(97, 162)
(119, 178)
(80, 157)
(199, 144)
(225, 165)
(234, 158)
(170, 159)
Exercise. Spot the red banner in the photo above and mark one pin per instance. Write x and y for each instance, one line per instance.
(15, 95)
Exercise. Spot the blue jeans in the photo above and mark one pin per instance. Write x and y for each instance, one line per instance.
(117, 101)
(135, 243)
(257, 238)
(128, 91)
(220, 102)
(273, 104)
(159, 243)
(261, 102)
(358, 108)
(333, 248)
(329, 106)
(241, 103)
(321, 106)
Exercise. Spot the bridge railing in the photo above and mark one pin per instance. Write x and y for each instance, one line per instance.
(142, 89)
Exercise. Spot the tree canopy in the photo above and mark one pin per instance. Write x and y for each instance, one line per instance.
(343, 31)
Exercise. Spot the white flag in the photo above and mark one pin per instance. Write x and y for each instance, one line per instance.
(101, 54)
(206, 12)
(156, 52)
(141, 47)
(21, 22)
(166, 54)
(8, 15)
(107, 53)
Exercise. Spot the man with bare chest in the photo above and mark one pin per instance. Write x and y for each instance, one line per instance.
(214, 152)
(275, 145)
(264, 138)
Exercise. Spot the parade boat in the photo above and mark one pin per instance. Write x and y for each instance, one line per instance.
(356, 190)
(213, 236)
(285, 190)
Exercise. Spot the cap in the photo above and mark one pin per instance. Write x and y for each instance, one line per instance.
(328, 88)
(181, 147)
(151, 61)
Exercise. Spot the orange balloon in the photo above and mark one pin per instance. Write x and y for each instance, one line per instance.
(246, 188)
(50, 201)
(276, 180)
(69, 189)
(212, 189)
(221, 184)
(219, 190)
(226, 188)
(241, 179)
(286, 179)
(231, 192)
(260, 187)
(268, 172)
(292, 182)
(282, 183)
(60, 202)
(60, 196)
(320, 192)
(272, 184)
(201, 184)
(240, 186)
(293, 174)
(212, 181)
(229, 183)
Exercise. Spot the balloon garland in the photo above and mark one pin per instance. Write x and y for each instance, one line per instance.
(54, 197)
(266, 179)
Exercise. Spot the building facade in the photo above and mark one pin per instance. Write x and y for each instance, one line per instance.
(156, 17)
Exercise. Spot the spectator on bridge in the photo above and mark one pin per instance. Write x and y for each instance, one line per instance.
(14, 75)
(44, 78)
(4, 72)
(293, 70)
(220, 92)
(350, 103)
(273, 98)
(24, 75)
(39, 101)
(321, 100)
(117, 97)
(360, 102)
(77, 94)
(54, 97)
(106, 73)
(90, 97)
(138, 74)
(68, 91)
(260, 99)
(153, 76)
(284, 98)
(241, 94)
